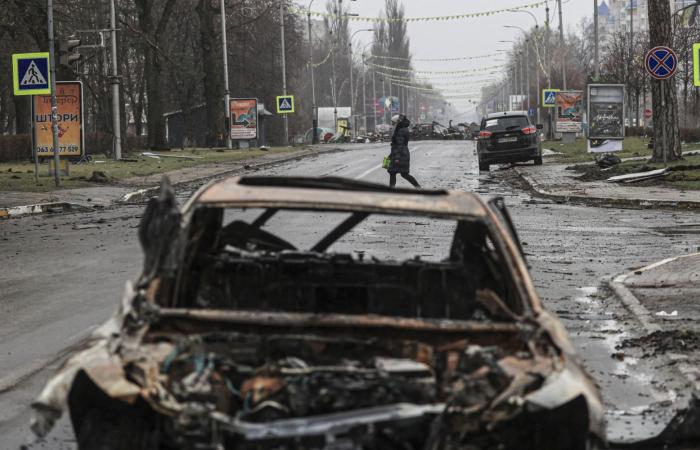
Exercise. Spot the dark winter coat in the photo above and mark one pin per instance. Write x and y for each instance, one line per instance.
(400, 157)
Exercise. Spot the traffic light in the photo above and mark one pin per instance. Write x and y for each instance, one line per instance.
(68, 52)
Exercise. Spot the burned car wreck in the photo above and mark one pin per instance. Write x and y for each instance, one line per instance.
(232, 337)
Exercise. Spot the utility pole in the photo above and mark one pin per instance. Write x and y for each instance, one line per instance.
(629, 66)
(314, 112)
(374, 100)
(227, 93)
(596, 63)
(384, 105)
(284, 73)
(548, 62)
(364, 95)
(522, 76)
(352, 98)
(547, 50)
(54, 103)
(116, 119)
(563, 47)
(527, 75)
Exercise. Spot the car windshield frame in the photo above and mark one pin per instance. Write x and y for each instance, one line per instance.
(505, 123)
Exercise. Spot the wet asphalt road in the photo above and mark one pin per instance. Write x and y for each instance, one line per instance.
(63, 274)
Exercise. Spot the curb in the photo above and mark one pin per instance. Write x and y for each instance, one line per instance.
(688, 370)
(40, 208)
(146, 193)
(603, 201)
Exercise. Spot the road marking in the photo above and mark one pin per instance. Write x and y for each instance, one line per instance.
(367, 172)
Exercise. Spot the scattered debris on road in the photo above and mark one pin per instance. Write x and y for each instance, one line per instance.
(638, 176)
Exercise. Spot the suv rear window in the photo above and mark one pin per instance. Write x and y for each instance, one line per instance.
(506, 123)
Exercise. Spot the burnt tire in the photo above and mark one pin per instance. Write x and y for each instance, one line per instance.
(484, 167)
(538, 161)
(113, 430)
(103, 423)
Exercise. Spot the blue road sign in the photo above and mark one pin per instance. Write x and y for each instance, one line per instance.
(285, 104)
(549, 98)
(661, 62)
(30, 73)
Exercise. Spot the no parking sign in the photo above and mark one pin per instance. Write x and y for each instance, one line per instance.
(661, 62)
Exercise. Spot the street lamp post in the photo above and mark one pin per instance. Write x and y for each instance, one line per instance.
(527, 82)
(374, 91)
(563, 54)
(374, 100)
(352, 97)
(284, 73)
(314, 110)
(227, 94)
(596, 69)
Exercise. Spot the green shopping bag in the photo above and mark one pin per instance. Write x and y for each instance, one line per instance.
(386, 162)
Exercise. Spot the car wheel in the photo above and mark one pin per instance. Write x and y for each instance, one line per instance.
(538, 161)
(483, 167)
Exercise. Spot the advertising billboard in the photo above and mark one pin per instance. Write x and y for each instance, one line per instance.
(569, 111)
(69, 97)
(244, 118)
(606, 111)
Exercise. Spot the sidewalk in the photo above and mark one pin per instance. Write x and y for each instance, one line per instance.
(134, 189)
(555, 182)
(665, 298)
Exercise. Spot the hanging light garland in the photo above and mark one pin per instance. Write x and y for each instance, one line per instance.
(465, 58)
(431, 72)
(419, 19)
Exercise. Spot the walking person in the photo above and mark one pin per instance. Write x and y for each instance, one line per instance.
(400, 158)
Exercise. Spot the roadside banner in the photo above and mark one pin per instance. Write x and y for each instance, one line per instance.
(244, 118)
(606, 111)
(606, 117)
(569, 111)
(515, 102)
(69, 97)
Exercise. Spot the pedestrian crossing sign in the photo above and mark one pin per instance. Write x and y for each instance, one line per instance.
(285, 104)
(549, 98)
(30, 73)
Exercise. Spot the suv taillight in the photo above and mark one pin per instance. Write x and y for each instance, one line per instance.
(484, 134)
(530, 130)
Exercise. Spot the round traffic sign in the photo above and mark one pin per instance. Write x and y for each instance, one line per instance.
(661, 62)
(647, 113)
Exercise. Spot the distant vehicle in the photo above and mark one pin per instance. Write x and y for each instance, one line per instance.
(508, 137)
(235, 338)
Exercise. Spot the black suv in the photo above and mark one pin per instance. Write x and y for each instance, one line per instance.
(507, 137)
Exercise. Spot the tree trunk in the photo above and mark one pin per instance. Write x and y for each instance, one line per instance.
(153, 70)
(212, 80)
(667, 140)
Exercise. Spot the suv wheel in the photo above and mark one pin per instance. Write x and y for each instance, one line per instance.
(483, 167)
(538, 161)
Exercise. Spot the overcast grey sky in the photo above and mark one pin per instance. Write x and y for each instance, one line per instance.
(464, 37)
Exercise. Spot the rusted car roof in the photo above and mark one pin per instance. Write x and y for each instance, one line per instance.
(333, 194)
